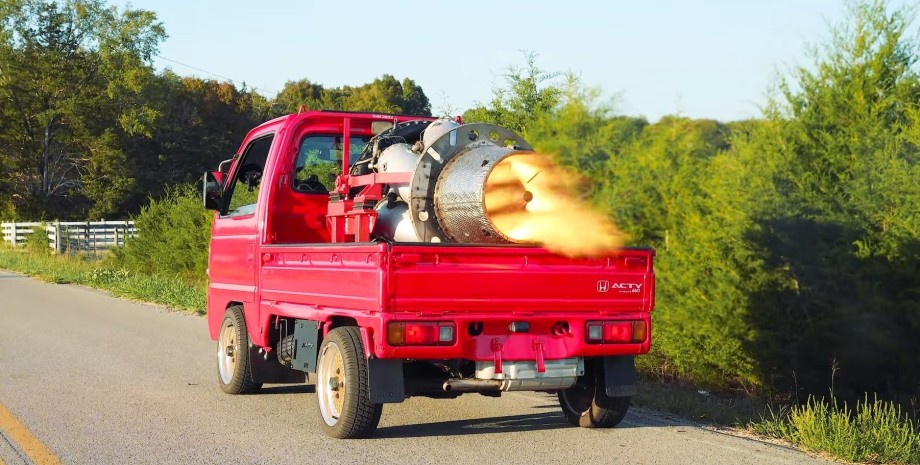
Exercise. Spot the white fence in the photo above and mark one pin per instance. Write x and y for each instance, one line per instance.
(68, 236)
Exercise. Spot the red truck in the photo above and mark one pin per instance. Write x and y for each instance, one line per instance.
(350, 247)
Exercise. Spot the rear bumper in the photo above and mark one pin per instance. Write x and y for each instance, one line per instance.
(487, 337)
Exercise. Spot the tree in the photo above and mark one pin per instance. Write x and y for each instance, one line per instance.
(385, 94)
(529, 92)
(844, 225)
(303, 92)
(71, 75)
(199, 123)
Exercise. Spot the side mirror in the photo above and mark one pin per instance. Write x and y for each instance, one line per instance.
(219, 177)
(211, 190)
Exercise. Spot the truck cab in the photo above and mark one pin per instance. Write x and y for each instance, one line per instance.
(303, 285)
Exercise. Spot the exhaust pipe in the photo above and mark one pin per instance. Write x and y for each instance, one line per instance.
(533, 384)
(472, 385)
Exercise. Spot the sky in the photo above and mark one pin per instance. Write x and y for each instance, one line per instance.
(702, 59)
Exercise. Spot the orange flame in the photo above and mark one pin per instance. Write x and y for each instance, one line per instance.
(531, 199)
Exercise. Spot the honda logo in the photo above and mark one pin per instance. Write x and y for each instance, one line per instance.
(603, 285)
(623, 288)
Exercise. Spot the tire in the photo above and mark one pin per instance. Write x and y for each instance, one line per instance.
(234, 372)
(342, 392)
(587, 405)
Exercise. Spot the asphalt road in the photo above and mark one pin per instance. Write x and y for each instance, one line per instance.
(89, 379)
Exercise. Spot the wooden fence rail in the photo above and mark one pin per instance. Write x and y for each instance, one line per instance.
(69, 236)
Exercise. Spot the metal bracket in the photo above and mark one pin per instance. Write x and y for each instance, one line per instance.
(262, 370)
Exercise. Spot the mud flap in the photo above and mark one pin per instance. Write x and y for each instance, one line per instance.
(306, 345)
(385, 381)
(270, 371)
(620, 376)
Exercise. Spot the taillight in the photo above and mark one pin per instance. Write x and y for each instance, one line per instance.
(421, 333)
(615, 332)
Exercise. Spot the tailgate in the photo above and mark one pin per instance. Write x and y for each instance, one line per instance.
(447, 278)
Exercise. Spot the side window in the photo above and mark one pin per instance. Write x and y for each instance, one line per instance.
(244, 190)
(319, 162)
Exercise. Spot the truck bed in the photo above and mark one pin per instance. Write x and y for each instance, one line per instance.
(485, 287)
(433, 279)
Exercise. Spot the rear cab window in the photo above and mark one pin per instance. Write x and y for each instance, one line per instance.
(319, 161)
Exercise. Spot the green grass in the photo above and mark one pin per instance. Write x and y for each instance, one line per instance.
(876, 432)
(173, 291)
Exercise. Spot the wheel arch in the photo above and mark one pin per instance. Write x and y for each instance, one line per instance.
(216, 316)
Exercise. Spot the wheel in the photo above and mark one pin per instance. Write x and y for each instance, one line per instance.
(233, 369)
(341, 386)
(587, 405)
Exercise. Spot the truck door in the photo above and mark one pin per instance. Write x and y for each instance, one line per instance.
(234, 238)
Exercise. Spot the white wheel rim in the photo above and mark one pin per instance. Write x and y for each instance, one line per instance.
(331, 383)
(227, 348)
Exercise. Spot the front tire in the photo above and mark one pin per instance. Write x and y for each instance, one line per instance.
(341, 386)
(586, 404)
(234, 372)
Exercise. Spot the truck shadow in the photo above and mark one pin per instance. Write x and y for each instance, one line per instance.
(289, 389)
(512, 423)
(548, 420)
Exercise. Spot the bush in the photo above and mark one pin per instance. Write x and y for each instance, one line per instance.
(37, 241)
(877, 432)
(173, 236)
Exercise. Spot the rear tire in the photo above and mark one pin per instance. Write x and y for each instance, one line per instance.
(586, 404)
(234, 372)
(342, 389)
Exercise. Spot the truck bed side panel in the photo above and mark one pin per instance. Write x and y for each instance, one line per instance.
(323, 276)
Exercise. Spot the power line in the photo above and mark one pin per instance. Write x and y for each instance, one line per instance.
(234, 81)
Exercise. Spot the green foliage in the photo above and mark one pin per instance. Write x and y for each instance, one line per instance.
(173, 236)
(385, 94)
(37, 241)
(876, 432)
(581, 131)
(529, 92)
(71, 82)
(841, 226)
(324, 171)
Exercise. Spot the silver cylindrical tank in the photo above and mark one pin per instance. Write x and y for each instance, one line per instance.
(437, 129)
(395, 224)
(398, 158)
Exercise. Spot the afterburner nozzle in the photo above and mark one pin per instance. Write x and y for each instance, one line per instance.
(494, 195)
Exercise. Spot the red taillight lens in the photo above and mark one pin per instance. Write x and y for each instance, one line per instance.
(421, 333)
(615, 332)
